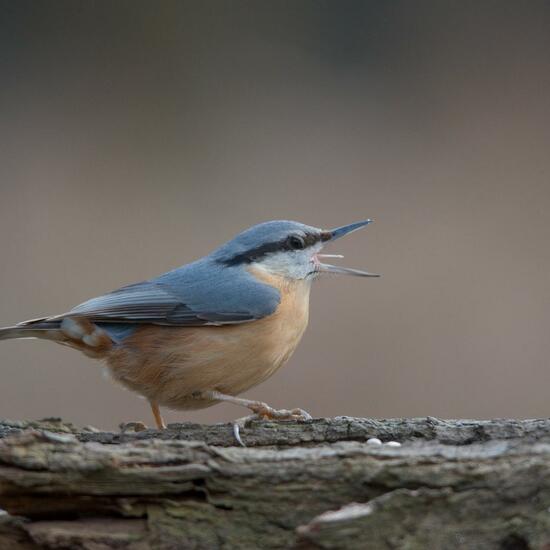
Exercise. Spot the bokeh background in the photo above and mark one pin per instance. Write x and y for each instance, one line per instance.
(137, 136)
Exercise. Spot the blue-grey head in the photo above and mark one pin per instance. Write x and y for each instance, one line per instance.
(287, 248)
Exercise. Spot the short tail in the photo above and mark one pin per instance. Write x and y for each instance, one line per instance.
(36, 328)
(77, 333)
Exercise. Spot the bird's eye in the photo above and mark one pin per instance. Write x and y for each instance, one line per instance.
(296, 243)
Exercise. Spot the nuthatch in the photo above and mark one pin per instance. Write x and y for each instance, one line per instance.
(209, 330)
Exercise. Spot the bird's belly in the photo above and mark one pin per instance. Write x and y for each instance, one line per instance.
(170, 364)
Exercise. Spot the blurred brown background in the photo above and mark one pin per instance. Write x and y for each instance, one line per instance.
(138, 136)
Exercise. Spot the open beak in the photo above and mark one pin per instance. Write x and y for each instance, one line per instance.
(332, 235)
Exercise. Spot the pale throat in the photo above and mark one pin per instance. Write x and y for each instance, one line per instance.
(281, 281)
(293, 266)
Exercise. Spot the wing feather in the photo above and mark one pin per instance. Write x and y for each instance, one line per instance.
(177, 302)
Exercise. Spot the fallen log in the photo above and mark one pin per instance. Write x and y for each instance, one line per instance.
(315, 484)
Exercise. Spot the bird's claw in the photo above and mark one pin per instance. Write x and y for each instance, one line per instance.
(239, 424)
(132, 427)
(300, 414)
(262, 411)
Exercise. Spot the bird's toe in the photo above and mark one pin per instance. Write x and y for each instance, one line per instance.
(132, 427)
(300, 414)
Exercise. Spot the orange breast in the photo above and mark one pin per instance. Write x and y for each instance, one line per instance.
(168, 364)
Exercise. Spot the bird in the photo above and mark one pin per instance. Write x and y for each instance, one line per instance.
(209, 330)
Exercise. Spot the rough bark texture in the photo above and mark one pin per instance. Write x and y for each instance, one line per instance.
(311, 485)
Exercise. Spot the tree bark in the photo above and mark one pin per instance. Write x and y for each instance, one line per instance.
(305, 485)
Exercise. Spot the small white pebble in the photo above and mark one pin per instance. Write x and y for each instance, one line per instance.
(393, 444)
(374, 441)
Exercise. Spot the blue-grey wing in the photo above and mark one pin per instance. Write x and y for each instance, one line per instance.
(197, 294)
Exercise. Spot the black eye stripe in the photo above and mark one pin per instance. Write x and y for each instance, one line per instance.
(255, 254)
(310, 239)
(295, 242)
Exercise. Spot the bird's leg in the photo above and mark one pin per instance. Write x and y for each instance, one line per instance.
(158, 417)
(261, 411)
